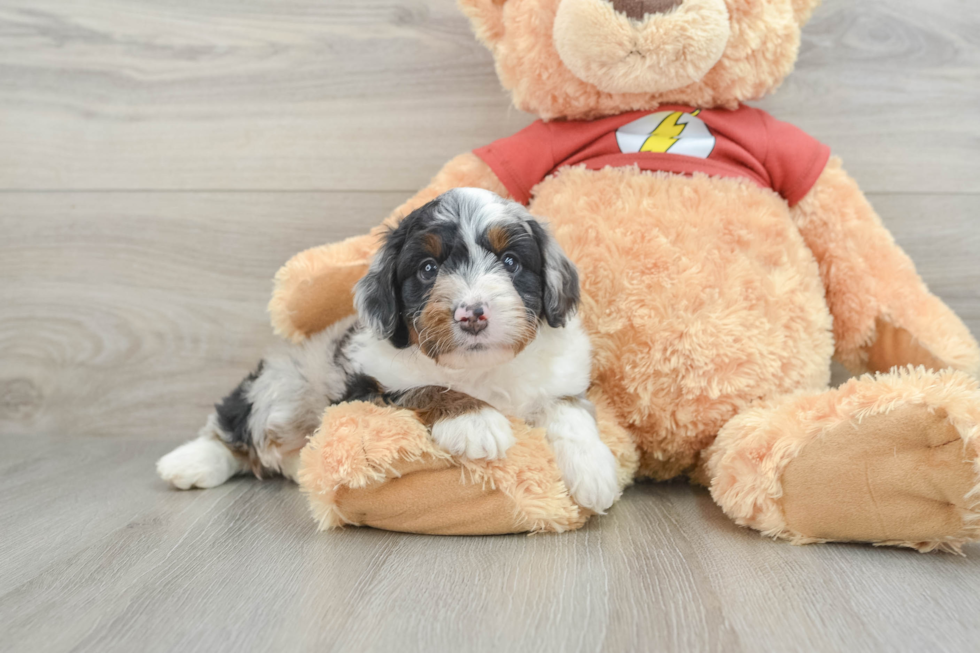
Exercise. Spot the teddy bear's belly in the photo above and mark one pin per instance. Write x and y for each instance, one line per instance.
(700, 297)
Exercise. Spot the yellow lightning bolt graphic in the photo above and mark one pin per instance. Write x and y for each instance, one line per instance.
(666, 134)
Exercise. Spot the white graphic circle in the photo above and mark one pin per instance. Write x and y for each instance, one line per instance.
(667, 132)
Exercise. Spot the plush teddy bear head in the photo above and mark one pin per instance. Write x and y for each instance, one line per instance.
(582, 59)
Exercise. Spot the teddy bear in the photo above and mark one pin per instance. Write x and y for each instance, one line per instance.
(725, 259)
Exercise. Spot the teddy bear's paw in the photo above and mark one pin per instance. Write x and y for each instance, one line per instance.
(482, 434)
(204, 462)
(589, 471)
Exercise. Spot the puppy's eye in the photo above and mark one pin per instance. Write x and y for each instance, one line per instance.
(511, 264)
(428, 269)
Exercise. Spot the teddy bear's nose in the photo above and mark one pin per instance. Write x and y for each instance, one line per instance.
(637, 9)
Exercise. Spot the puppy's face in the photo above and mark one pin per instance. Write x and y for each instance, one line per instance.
(467, 278)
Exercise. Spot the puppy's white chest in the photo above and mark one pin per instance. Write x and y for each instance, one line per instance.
(523, 386)
(557, 363)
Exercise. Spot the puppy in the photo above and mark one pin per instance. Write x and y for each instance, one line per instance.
(466, 314)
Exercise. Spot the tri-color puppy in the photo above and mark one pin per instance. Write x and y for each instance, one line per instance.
(467, 314)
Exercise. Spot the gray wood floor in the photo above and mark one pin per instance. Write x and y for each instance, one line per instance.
(159, 161)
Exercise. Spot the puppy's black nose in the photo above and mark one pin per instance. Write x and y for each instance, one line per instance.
(472, 319)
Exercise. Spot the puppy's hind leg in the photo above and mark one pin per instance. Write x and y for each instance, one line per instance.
(265, 422)
(203, 462)
(222, 448)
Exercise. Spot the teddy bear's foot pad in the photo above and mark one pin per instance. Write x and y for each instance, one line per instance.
(904, 477)
(431, 497)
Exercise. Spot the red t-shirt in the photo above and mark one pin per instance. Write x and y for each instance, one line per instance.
(746, 143)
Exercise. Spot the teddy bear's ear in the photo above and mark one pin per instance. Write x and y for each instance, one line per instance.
(487, 18)
(803, 9)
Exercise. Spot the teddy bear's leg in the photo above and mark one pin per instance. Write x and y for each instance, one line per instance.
(884, 316)
(892, 459)
(314, 288)
(378, 466)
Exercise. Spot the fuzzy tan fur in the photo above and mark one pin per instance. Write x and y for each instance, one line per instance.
(699, 296)
(714, 310)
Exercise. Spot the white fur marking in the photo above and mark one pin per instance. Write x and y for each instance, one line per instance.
(483, 434)
(587, 465)
(204, 462)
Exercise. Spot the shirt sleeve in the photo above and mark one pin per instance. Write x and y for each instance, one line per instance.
(522, 160)
(794, 159)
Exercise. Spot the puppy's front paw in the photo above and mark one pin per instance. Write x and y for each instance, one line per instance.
(589, 472)
(203, 463)
(482, 434)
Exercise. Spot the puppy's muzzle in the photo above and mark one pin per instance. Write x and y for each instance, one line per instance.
(472, 318)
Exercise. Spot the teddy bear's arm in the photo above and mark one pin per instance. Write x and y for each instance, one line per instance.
(883, 313)
(373, 465)
(314, 288)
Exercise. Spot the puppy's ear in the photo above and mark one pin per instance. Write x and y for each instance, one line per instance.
(376, 295)
(561, 290)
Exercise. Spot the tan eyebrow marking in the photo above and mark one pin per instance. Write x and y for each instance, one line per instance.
(432, 244)
(498, 239)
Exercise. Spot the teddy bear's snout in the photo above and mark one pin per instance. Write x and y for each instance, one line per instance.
(646, 46)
